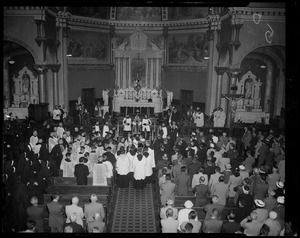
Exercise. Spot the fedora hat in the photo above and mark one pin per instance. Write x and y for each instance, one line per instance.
(259, 203)
(279, 184)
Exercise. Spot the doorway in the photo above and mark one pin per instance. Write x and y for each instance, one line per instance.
(88, 99)
(186, 100)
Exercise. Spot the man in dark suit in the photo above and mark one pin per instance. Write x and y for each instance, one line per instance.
(56, 211)
(230, 226)
(81, 172)
(56, 152)
(110, 156)
(37, 214)
(213, 225)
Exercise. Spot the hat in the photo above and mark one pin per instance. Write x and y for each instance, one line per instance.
(228, 166)
(215, 139)
(261, 171)
(170, 202)
(245, 191)
(188, 204)
(273, 215)
(212, 145)
(279, 184)
(280, 199)
(259, 203)
(242, 167)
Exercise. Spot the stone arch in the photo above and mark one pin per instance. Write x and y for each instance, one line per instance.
(27, 47)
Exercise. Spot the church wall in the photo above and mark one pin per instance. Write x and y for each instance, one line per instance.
(196, 81)
(22, 30)
(98, 79)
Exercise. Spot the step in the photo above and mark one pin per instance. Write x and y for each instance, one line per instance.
(79, 189)
(72, 181)
(66, 199)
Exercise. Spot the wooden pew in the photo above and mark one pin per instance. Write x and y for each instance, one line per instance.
(79, 189)
(72, 181)
(180, 200)
(66, 199)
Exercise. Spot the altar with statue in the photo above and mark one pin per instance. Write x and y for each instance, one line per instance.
(248, 108)
(25, 92)
(138, 64)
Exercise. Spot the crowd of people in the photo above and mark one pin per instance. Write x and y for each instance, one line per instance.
(218, 170)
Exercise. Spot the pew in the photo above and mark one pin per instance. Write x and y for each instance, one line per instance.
(79, 189)
(180, 200)
(72, 181)
(66, 199)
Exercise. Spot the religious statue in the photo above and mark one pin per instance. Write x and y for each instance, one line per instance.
(26, 83)
(169, 97)
(219, 117)
(248, 89)
(105, 96)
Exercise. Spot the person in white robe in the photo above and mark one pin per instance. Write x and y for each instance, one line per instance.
(122, 168)
(131, 154)
(139, 168)
(33, 139)
(60, 130)
(216, 115)
(149, 166)
(221, 122)
(52, 141)
(67, 166)
(199, 116)
(109, 166)
(146, 123)
(105, 129)
(127, 125)
(100, 173)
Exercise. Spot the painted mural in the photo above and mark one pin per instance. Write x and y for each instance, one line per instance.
(179, 13)
(188, 49)
(87, 47)
(96, 12)
(139, 13)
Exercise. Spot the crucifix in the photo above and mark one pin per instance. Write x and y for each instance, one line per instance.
(233, 98)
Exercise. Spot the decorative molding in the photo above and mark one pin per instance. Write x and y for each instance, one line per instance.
(221, 70)
(54, 67)
(90, 66)
(40, 69)
(186, 68)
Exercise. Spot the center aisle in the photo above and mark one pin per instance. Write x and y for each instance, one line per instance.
(134, 210)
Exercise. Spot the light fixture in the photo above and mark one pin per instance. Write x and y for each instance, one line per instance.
(11, 61)
(206, 57)
(69, 55)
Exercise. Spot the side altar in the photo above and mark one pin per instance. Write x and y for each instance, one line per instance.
(248, 108)
(138, 64)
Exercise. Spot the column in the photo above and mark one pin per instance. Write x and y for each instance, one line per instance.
(232, 74)
(124, 72)
(6, 91)
(146, 75)
(220, 71)
(151, 71)
(157, 71)
(41, 70)
(117, 71)
(55, 68)
(269, 87)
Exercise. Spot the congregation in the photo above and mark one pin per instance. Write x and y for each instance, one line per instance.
(216, 169)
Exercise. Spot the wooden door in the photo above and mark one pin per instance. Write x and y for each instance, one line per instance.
(88, 99)
(186, 100)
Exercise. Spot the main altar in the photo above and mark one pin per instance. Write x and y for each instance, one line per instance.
(138, 64)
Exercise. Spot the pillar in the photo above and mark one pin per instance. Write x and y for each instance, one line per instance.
(6, 91)
(220, 71)
(151, 71)
(55, 68)
(268, 100)
(157, 72)
(41, 71)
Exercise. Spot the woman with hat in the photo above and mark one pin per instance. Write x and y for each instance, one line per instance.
(262, 213)
(183, 214)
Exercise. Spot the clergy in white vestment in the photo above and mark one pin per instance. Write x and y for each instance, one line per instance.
(38, 146)
(131, 154)
(122, 168)
(60, 130)
(149, 166)
(216, 117)
(199, 119)
(52, 141)
(146, 123)
(33, 139)
(94, 154)
(108, 165)
(139, 168)
(127, 125)
(105, 129)
(100, 173)
(67, 166)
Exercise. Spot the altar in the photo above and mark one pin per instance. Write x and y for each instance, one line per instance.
(248, 108)
(137, 59)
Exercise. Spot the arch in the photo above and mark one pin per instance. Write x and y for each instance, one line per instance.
(27, 47)
(246, 51)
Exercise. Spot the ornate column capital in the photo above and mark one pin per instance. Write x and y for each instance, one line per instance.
(54, 67)
(221, 70)
(40, 69)
(233, 72)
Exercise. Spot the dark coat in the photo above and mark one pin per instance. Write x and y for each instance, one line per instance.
(76, 227)
(37, 214)
(81, 172)
(56, 211)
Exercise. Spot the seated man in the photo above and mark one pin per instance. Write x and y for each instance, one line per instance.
(97, 222)
(75, 226)
(196, 224)
(169, 225)
(213, 225)
(163, 210)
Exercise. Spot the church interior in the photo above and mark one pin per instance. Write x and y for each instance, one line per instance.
(146, 60)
